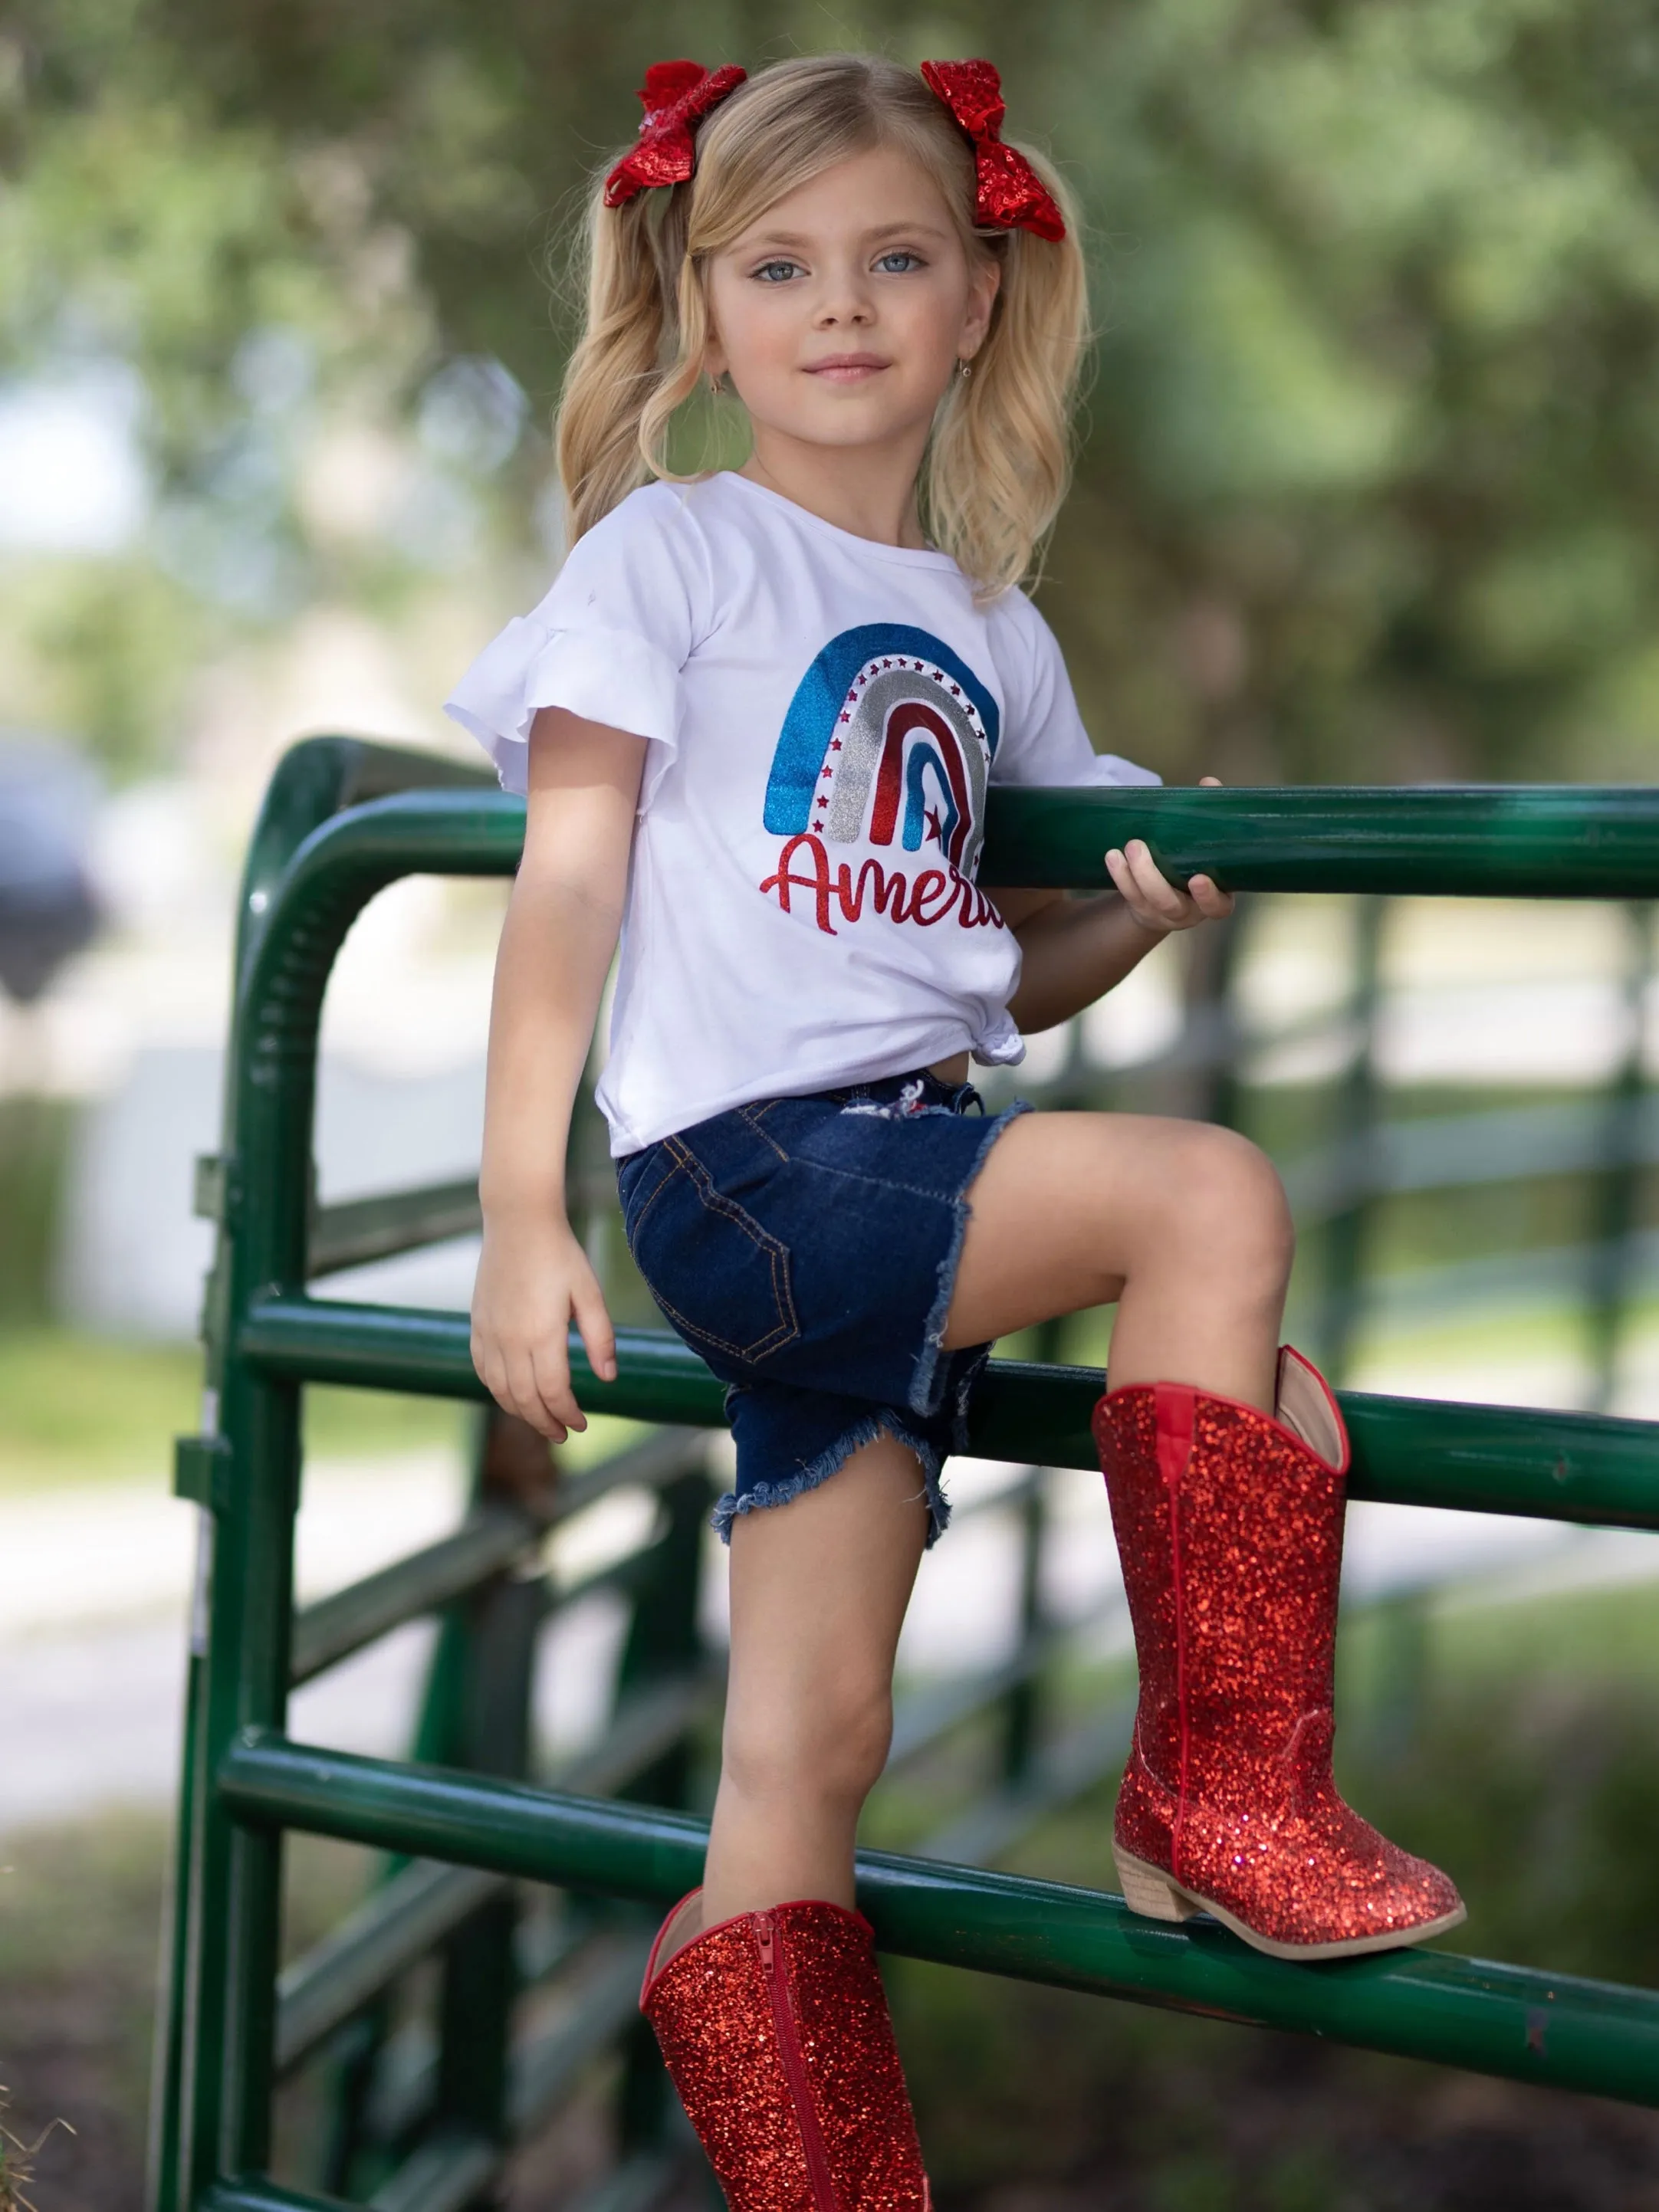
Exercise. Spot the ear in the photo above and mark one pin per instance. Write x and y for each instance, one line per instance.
(984, 282)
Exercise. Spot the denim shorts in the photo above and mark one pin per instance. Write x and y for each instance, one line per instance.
(807, 1249)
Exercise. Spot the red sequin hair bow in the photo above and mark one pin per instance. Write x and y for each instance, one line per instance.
(1010, 196)
(676, 96)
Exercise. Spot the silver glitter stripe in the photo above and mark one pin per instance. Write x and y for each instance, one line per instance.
(863, 736)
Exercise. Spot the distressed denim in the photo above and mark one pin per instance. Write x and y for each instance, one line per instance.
(807, 1248)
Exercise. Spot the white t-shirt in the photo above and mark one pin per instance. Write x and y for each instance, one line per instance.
(824, 715)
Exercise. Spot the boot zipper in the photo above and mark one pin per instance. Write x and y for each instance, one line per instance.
(794, 2066)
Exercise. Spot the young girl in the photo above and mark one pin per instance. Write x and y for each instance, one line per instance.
(755, 719)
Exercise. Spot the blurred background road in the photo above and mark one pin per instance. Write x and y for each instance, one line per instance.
(1368, 492)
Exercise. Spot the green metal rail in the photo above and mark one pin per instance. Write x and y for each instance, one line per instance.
(1589, 1467)
(343, 821)
(1502, 2020)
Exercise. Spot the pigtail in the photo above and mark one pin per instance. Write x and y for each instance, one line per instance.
(634, 254)
(999, 461)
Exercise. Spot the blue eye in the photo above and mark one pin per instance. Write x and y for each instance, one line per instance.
(905, 259)
(777, 272)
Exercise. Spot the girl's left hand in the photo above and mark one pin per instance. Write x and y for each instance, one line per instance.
(1157, 905)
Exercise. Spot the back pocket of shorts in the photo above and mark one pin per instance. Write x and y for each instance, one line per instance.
(722, 1280)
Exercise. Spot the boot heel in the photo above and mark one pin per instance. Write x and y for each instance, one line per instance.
(1147, 1891)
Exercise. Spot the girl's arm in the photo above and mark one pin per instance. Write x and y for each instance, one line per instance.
(561, 930)
(1075, 950)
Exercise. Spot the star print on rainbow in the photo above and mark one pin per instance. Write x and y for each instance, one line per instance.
(889, 736)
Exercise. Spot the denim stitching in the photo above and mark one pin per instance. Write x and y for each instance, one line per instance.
(632, 1231)
(784, 1332)
(752, 1114)
(787, 1327)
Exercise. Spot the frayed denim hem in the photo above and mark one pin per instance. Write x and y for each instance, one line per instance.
(830, 1462)
(924, 1389)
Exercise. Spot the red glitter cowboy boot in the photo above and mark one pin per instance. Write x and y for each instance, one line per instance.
(775, 2028)
(1228, 1524)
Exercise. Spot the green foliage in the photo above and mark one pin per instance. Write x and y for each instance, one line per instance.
(102, 646)
(1378, 450)
(1373, 454)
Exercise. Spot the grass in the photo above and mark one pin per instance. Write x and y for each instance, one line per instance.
(74, 1407)
(77, 1408)
(79, 1914)
(18, 2159)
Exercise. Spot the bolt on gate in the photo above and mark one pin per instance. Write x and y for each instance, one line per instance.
(461, 1828)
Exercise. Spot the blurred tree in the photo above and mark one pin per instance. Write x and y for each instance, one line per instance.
(1369, 482)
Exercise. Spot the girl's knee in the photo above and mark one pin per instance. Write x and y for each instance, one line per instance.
(1230, 1197)
(832, 1750)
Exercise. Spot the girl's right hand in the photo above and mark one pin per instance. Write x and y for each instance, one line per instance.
(533, 1280)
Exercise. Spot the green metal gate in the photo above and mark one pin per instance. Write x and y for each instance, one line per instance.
(343, 820)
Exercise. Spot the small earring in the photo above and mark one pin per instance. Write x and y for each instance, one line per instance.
(964, 370)
(715, 383)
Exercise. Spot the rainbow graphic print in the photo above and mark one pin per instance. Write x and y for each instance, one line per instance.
(889, 739)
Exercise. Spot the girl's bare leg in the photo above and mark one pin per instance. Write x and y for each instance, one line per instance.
(818, 1592)
(1184, 1226)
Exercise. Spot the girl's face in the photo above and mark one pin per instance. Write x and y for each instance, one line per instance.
(842, 313)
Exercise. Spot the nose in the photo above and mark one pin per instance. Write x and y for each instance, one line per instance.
(845, 301)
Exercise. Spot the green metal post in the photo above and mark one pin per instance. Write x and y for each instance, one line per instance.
(480, 1984)
(229, 1897)
(1618, 1188)
(1214, 956)
(1346, 1232)
(1022, 1711)
(664, 1638)
(313, 781)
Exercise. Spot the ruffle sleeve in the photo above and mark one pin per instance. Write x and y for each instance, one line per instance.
(607, 643)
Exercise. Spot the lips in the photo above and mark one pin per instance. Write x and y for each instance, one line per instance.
(847, 367)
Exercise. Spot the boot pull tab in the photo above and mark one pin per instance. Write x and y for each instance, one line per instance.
(1306, 1406)
(1175, 1408)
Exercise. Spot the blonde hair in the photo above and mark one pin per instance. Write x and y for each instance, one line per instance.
(998, 458)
